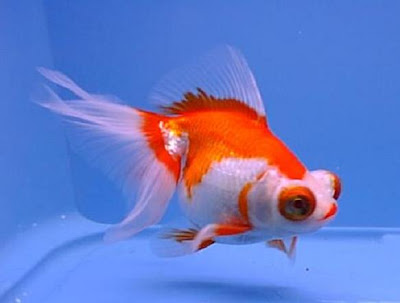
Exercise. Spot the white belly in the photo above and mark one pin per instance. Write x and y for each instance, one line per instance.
(215, 199)
(253, 236)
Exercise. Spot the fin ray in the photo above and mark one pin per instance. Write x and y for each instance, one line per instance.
(111, 136)
(223, 76)
(174, 242)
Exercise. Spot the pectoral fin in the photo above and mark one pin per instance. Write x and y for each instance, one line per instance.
(288, 248)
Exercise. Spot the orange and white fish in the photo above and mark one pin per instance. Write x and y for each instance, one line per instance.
(238, 182)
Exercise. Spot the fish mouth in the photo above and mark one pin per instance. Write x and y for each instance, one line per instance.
(331, 212)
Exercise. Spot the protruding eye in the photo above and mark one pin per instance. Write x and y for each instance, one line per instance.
(296, 203)
(336, 185)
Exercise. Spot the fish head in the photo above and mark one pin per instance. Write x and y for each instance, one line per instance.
(295, 206)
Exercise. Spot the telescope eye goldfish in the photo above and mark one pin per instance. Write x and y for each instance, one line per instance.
(211, 141)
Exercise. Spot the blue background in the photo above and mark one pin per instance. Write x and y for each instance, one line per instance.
(329, 73)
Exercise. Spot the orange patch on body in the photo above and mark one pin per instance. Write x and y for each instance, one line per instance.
(216, 135)
(243, 202)
(152, 132)
(224, 128)
(230, 230)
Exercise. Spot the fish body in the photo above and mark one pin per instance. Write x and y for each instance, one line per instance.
(229, 153)
(233, 165)
(238, 182)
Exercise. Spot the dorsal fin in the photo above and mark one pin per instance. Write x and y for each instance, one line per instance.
(220, 80)
(202, 102)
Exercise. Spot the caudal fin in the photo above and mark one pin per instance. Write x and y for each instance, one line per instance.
(127, 144)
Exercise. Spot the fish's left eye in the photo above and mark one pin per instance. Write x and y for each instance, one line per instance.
(296, 203)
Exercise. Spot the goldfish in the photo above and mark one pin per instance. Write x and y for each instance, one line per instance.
(211, 142)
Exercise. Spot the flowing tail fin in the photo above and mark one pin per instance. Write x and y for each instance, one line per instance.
(127, 144)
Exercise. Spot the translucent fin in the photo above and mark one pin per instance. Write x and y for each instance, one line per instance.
(292, 248)
(112, 137)
(174, 242)
(223, 75)
(287, 246)
(277, 244)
